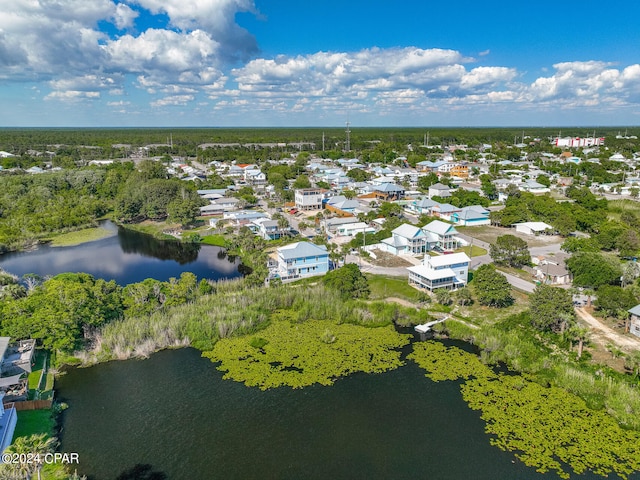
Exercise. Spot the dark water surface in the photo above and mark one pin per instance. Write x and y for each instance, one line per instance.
(174, 413)
(126, 257)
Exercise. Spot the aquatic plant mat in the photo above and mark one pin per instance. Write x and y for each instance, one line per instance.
(302, 354)
(548, 427)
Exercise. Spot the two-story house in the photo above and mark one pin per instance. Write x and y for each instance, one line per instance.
(443, 271)
(309, 198)
(302, 259)
(441, 236)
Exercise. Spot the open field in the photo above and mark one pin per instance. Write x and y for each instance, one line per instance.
(489, 234)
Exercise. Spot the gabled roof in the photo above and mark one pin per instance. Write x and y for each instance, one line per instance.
(439, 228)
(389, 187)
(407, 231)
(535, 226)
(444, 260)
(439, 186)
(446, 208)
(431, 274)
(473, 211)
(425, 203)
(635, 310)
(301, 249)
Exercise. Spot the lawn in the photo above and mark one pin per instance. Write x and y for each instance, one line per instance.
(216, 240)
(32, 422)
(472, 251)
(479, 314)
(46, 388)
(155, 229)
(489, 234)
(80, 236)
(383, 287)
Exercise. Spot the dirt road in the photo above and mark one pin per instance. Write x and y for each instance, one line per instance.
(604, 334)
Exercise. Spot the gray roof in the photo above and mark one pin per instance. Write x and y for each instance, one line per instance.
(635, 311)
(389, 187)
(301, 249)
(439, 228)
(439, 186)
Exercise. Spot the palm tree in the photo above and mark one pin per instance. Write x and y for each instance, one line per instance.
(34, 444)
(581, 335)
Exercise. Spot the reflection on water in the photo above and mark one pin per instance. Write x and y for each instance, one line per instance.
(133, 242)
(127, 257)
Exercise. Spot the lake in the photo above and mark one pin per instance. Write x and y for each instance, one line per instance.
(126, 257)
(172, 416)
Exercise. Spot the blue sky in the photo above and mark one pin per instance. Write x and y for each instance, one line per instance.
(317, 63)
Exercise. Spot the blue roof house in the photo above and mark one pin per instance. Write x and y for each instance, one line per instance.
(302, 259)
(472, 215)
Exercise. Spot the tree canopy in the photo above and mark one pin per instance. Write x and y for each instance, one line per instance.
(510, 250)
(491, 287)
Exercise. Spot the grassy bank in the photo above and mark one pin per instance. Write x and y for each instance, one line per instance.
(155, 229)
(32, 422)
(80, 236)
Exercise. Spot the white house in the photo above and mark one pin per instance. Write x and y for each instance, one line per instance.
(406, 239)
(302, 259)
(444, 271)
(531, 228)
(353, 228)
(309, 198)
(441, 236)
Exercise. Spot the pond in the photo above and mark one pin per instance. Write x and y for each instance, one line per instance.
(172, 416)
(126, 257)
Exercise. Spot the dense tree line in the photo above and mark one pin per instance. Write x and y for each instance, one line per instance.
(64, 311)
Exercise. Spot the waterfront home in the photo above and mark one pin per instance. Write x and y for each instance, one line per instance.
(302, 259)
(15, 366)
(634, 320)
(269, 229)
(442, 271)
(8, 420)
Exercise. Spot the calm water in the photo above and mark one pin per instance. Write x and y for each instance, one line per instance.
(174, 416)
(125, 257)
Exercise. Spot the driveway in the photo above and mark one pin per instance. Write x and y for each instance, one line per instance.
(604, 334)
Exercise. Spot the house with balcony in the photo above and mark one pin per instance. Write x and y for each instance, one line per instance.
(443, 271)
(441, 236)
(269, 229)
(302, 259)
(309, 199)
(388, 192)
(405, 240)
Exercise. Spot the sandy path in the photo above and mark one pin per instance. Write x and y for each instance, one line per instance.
(604, 334)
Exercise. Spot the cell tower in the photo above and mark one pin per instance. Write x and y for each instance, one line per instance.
(348, 145)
